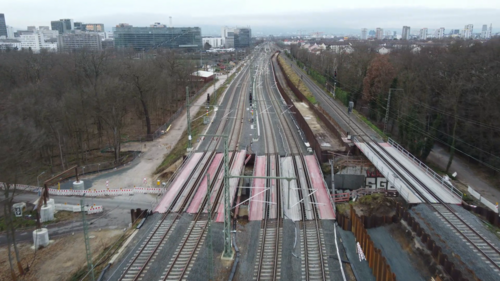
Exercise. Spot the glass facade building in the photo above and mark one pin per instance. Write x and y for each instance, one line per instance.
(242, 37)
(145, 38)
(3, 26)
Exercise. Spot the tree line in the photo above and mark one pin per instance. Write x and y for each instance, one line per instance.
(443, 94)
(69, 107)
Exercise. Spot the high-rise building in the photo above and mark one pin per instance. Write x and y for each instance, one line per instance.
(68, 25)
(467, 32)
(3, 26)
(379, 34)
(364, 34)
(236, 37)
(423, 33)
(57, 25)
(371, 33)
(77, 25)
(62, 25)
(92, 27)
(405, 35)
(71, 42)
(490, 32)
(440, 33)
(143, 38)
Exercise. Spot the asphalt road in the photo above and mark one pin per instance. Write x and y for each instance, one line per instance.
(116, 214)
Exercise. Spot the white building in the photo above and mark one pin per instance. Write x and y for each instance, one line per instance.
(215, 42)
(440, 33)
(11, 44)
(364, 34)
(36, 42)
(10, 32)
(383, 50)
(379, 34)
(467, 32)
(423, 34)
(49, 34)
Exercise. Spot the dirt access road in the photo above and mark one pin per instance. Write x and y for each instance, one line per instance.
(153, 152)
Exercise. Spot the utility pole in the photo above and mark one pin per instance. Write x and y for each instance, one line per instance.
(86, 237)
(332, 172)
(188, 120)
(386, 119)
(209, 234)
(228, 249)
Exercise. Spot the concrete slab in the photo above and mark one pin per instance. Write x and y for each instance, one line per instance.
(384, 169)
(436, 187)
(178, 183)
(257, 192)
(322, 195)
(233, 183)
(287, 170)
(194, 206)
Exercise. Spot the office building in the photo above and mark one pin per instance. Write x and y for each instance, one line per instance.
(467, 32)
(36, 41)
(371, 33)
(379, 33)
(93, 27)
(3, 26)
(10, 32)
(490, 32)
(71, 42)
(10, 44)
(215, 42)
(364, 34)
(405, 35)
(144, 38)
(423, 33)
(440, 33)
(44, 27)
(62, 25)
(236, 37)
(77, 25)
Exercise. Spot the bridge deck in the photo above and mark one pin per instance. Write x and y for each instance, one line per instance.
(202, 189)
(322, 195)
(257, 191)
(233, 183)
(176, 185)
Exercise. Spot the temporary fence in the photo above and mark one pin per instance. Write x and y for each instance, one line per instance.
(77, 208)
(91, 192)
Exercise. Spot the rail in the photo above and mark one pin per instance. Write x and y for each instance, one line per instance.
(426, 169)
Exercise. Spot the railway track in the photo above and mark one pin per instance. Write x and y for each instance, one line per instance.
(182, 261)
(268, 265)
(146, 254)
(473, 239)
(314, 263)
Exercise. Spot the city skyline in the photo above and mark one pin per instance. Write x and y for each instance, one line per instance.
(263, 17)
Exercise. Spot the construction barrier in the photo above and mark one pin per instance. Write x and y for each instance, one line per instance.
(92, 192)
(477, 195)
(77, 208)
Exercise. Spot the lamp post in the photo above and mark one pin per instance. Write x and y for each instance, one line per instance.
(37, 180)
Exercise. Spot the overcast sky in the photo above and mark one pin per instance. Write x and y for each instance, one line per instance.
(268, 16)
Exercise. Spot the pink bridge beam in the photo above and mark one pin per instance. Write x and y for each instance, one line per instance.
(179, 181)
(258, 186)
(322, 195)
(233, 183)
(202, 190)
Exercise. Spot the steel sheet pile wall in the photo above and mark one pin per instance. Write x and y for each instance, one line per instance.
(438, 256)
(313, 142)
(376, 261)
(333, 127)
